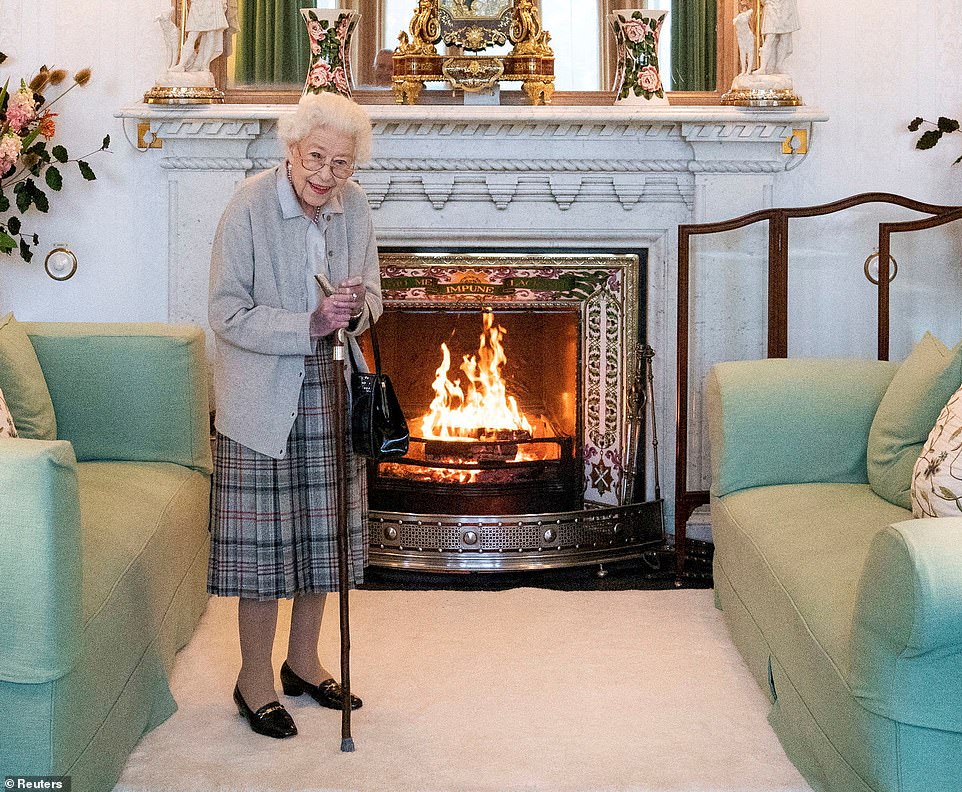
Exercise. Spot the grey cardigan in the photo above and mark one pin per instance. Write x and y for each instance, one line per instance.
(258, 301)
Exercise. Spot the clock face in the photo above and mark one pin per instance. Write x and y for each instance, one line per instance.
(475, 25)
(475, 9)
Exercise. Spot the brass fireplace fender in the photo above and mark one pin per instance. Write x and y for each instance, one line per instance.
(447, 543)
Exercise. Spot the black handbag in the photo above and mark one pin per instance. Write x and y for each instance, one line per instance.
(378, 428)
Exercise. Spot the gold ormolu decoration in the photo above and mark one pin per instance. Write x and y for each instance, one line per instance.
(530, 62)
(526, 31)
(183, 95)
(425, 31)
(471, 38)
(462, 26)
(760, 97)
(473, 74)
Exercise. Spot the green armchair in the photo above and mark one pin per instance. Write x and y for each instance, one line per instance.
(103, 547)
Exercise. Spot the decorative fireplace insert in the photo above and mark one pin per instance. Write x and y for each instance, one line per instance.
(515, 372)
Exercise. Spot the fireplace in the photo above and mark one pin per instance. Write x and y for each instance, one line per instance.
(515, 372)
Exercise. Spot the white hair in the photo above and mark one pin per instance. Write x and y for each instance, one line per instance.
(329, 110)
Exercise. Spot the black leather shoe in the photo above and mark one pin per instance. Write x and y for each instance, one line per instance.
(327, 694)
(271, 720)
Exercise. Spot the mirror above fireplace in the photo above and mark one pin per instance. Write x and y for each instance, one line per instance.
(270, 52)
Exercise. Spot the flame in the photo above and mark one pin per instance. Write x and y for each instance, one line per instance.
(483, 407)
(479, 416)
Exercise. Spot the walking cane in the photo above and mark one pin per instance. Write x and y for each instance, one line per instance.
(343, 540)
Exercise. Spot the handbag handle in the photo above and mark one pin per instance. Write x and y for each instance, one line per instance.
(377, 352)
(380, 381)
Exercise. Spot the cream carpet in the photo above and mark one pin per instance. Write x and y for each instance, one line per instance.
(526, 690)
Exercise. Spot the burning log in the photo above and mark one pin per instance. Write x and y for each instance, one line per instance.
(491, 445)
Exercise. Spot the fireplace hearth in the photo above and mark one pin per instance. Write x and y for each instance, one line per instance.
(515, 372)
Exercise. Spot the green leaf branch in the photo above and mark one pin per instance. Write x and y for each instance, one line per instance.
(930, 137)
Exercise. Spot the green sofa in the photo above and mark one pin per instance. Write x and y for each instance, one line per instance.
(103, 547)
(847, 611)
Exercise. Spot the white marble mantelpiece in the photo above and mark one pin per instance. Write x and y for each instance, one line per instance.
(607, 178)
(504, 145)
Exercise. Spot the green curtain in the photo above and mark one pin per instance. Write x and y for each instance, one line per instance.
(271, 47)
(694, 45)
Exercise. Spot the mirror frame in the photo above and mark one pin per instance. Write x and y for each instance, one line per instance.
(727, 67)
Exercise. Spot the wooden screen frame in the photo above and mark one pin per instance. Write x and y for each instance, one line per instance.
(368, 40)
(686, 501)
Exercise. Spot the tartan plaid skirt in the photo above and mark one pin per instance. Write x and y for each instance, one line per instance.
(273, 521)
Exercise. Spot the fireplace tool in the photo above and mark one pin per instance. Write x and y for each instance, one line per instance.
(641, 400)
(343, 540)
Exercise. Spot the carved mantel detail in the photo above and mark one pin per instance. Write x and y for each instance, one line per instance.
(503, 155)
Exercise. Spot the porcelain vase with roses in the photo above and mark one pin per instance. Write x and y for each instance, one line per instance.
(637, 80)
(329, 32)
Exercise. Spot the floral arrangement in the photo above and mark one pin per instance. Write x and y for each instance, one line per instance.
(638, 42)
(329, 61)
(944, 126)
(27, 126)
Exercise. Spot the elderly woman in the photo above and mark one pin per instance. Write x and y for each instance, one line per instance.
(272, 509)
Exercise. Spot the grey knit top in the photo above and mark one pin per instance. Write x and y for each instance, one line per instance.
(259, 300)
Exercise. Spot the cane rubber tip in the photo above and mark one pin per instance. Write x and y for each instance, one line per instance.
(347, 745)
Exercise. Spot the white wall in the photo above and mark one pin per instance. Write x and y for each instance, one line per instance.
(115, 224)
(875, 65)
(871, 64)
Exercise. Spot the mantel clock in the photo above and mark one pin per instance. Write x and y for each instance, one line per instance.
(474, 26)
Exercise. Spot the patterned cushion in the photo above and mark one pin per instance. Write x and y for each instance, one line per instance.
(7, 428)
(937, 478)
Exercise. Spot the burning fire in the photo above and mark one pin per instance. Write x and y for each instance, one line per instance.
(482, 410)
(476, 423)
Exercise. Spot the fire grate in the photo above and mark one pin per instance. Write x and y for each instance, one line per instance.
(443, 482)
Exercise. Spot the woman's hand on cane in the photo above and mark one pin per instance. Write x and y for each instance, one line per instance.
(335, 311)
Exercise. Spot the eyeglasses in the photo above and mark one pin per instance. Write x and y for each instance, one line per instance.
(341, 167)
